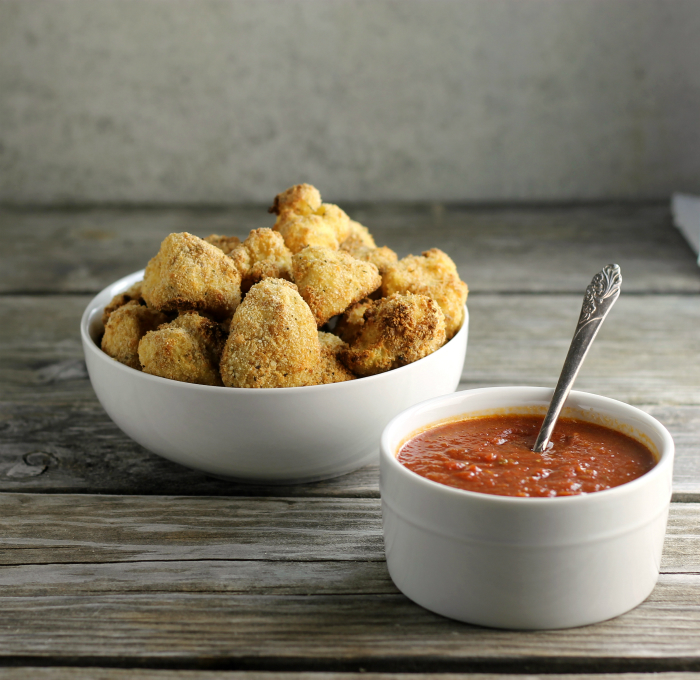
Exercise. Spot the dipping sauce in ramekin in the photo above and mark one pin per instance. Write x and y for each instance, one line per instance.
(494, 455)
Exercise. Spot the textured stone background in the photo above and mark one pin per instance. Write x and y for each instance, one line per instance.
(221, 101)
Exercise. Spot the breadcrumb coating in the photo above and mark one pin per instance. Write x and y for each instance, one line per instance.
(304, 221)
(337, 219)
(310, 230)
(132, 293)
(186, 349)
(332, 280)
(208, 332)
(330, 369)
(382, 258)
(397, 330)
(224, 243)
(273, 340)
(350, 323)
(189, 273)
(358, 235)
(433, 274)
(125, 327)
(301, 199)
(262, 255)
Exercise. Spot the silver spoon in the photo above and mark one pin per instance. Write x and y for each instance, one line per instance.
(600, 296)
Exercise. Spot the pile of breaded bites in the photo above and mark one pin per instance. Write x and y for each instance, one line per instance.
(216, 311)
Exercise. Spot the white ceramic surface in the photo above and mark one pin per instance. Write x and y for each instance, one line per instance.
(525, 563)
(286, 435)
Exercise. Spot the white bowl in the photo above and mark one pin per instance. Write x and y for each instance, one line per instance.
(525, 563)
(285, 435)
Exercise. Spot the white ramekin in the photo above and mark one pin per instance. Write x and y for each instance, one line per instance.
(525, 563)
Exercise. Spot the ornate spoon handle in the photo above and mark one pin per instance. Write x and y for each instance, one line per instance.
(600, 296)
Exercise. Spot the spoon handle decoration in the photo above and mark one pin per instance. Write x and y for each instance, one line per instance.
(600, 296)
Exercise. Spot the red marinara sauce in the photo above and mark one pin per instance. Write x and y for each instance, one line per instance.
(494, 455)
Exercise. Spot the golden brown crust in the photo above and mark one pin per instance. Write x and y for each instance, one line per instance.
(397, 330)
(332, 280)
(350, 323)
(358, 235)
(187, 350)
(189, 273)
(302, 199)
(336, 219)
(206, 331)
(125, 327)
(273, 340)
(304, 221)
(382, 258)
(330, 369)
(132, 293)
(309, 230)
(435, 275)
(262, 255)
(223, 243)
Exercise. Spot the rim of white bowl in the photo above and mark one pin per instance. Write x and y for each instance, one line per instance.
(122, 284)
(666, 453)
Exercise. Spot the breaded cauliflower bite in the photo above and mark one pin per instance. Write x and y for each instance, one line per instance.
(224, 243)
(332, 280)
(300, 199)
(382, 258)
(186, 349)
(189, 273)
(262, 255)
(125, 327)
(330, 370)
(304, 221)
(397, 330)
(132, 293)
(361, 246)
(435, 275)
(358, 235)
(312, 230)
(273, 341)
(350, 324)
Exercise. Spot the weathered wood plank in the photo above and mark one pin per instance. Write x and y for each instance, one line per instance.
(326, 632)
(249, 578)
(67, 529)
(645, 353)
(54, 435)
(540, 249)
(84, 528)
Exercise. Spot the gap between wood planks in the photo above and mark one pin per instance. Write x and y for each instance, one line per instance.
(575, 667)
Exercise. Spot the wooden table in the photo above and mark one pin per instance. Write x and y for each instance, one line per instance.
(118, 564)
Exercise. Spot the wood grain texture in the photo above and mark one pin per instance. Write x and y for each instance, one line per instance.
(41, 529)
(54, 435)
(322, 631)
(518, 249)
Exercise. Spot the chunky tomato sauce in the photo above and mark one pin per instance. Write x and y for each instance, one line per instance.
(494, 455)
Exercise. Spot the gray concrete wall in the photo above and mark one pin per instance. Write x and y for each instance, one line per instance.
(218, 101)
